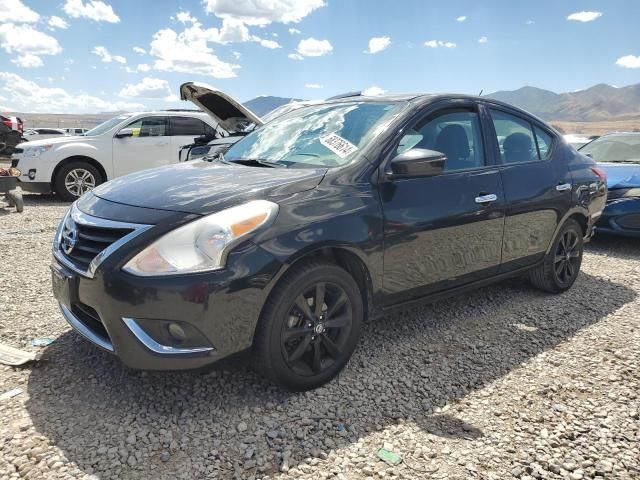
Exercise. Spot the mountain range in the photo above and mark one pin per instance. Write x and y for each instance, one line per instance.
(598, 103)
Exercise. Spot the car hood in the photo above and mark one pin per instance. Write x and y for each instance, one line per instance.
(205, 187)
(225, 110)
(53, 140)
(621, 175)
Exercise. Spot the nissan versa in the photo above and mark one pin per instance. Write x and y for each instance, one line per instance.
(313, 222)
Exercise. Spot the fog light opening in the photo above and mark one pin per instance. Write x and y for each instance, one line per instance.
(177, 332)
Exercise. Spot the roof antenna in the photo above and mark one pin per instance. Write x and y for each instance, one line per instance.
(481, 90)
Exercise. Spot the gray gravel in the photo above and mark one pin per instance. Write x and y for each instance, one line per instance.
(501, 383)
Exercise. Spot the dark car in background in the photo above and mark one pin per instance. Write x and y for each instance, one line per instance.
(323, 217)
(618, 154)
(10, 134)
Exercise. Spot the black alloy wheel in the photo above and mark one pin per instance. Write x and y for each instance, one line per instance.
(316, 330)
(567, 259)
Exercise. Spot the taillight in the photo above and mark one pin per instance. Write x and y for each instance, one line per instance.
(7, 122)
(600, 173)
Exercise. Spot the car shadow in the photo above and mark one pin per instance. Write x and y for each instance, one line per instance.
(615, 246)
(409, 367)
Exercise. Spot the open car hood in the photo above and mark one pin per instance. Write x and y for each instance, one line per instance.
(230, 114)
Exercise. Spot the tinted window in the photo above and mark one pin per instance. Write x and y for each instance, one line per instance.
(619, 148)
(515, 138)
(456, 133)
(544, 142)
(187, 126)
(149, 127)
(49, 131)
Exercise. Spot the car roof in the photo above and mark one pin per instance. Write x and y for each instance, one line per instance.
(620, 134)
(179, 113)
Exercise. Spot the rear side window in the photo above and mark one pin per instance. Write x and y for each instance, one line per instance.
(187, 126)
(455, 132)
(544, 142)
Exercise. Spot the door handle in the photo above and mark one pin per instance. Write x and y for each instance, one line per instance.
(563, 186)
(491, 197)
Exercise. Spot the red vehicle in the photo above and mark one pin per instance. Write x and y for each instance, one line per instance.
(11, 129)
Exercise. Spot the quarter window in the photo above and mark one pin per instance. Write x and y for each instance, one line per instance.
(517, 141)
(544, 142)
(149, 127)
(187, 126)
(456, 133)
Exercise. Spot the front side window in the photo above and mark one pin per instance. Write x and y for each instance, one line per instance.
(149, 127)
(106, 126)
(456, 133)
(325, 135)
(187, 126)
(517, 142)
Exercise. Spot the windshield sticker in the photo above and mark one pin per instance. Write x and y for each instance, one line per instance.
(338, 145)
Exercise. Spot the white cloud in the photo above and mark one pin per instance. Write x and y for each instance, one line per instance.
(629, 61)
(313, 85)
(28, 60)
(263, 12)
(107, 57)
(269, 43)
(310, 47)
(57, 22)
(483, 39)
(461, 18)
(148, 88)
(294, 31)
(236, 55)
(28, 43)
(373, 91)
(529, 22)
(139, 50)
(28, 96)
(584, 16)
(439, 43)
(14, 11)
(185, 17)
(188, 52)
(143, 67)
(95, 10)
(378, 44)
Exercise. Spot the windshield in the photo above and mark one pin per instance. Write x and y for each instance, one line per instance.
(619, 148)
(106, 126)
(328, 135)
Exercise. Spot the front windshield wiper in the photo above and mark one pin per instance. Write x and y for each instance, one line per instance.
(259, 162)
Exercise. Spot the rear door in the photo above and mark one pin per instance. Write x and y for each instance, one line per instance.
(446, 230)
(183, 131)
(148, 147)
(537, 185)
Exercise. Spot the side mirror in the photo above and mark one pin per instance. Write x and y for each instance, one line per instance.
(417, 162)
(125, 132)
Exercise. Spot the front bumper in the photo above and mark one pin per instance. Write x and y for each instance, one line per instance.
(128, 315)
(621, 217)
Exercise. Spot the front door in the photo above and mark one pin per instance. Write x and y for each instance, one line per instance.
(445, 230)
(537, 186)
(148, 147)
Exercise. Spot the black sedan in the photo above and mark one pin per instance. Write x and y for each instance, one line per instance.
(317, 220)
(618, 155)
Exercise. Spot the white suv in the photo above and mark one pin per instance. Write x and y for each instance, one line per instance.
(71, 166)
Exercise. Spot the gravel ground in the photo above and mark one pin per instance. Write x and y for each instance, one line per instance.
(505, 382)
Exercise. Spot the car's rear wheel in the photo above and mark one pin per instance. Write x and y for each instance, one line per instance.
(561, 265)
(75, 179)
(309, 327)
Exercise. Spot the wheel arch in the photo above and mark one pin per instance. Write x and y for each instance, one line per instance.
(78, 158)
(580, 215)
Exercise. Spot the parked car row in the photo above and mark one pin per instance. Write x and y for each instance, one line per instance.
(315, 220)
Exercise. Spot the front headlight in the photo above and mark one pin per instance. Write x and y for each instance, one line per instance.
(203, 244)
(36, 151)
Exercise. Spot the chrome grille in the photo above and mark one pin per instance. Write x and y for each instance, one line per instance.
(83, 241)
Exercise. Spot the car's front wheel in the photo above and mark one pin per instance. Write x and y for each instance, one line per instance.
(309, 327)
(75, 179)
(561, 265)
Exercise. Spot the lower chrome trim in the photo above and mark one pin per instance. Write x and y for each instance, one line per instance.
(83, 330)
(156, 347)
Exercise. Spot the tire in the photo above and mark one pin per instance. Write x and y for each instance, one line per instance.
(87, 176)
(561, 265)
(294, 345)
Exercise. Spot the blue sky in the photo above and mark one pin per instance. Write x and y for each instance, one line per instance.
(78, 55)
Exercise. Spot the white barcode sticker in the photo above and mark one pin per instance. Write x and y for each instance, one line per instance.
(338, 145)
